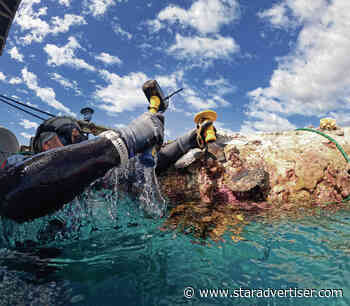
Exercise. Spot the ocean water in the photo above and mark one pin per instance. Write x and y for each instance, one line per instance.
(104, 250)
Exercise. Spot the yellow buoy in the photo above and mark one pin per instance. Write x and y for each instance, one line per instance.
(203, 116)
(328, 124)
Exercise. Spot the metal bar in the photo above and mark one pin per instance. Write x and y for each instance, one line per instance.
(174, 93)
(23, 110)
(25, 105)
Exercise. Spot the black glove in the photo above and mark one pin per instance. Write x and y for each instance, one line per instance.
(170, 153)
(201, 128)
(143, 133)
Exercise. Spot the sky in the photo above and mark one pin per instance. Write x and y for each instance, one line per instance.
(261, 65)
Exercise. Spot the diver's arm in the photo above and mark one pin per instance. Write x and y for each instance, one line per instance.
(43, 183)
(171, 152)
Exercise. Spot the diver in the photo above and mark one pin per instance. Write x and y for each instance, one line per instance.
(66, 162)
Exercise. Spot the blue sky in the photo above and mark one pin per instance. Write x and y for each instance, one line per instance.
(261, 65)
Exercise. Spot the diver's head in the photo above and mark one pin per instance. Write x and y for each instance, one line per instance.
(70, 133)
(47, 141)
(57, 132)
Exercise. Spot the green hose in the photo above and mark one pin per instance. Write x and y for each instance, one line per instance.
(347, 199)
(330, 139)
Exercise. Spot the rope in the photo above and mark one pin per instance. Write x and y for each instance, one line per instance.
(347, 159)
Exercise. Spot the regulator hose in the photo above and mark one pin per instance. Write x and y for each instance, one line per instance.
(347, 199)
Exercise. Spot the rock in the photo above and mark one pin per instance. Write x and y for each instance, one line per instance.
(339, 132)
(189, 158)
(246, 180)
(77, 299)
(290, 167)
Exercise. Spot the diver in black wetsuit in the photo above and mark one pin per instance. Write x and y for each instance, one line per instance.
(66, 164)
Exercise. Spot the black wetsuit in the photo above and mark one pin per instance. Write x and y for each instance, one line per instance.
(43, 183)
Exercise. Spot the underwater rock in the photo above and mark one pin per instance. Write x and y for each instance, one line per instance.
(294, 167)
(20, 286)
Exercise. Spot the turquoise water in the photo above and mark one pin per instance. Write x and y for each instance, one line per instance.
(134, 263)
(142, 266)
(102, 249)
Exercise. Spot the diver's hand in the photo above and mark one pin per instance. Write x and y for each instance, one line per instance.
(143, 133)
(190, 139)
(201, 129)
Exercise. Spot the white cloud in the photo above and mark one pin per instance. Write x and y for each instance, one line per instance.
(60, 25)
(98, 7)
(206, 16)
(120, 125)
(171, 81)
(47, 94)
(28, 124)
(108, 59)
(154, 25)
(28, 103)
(14, 53)
(15, 80)
(221, 127)
(121, 93)
(64, 2)
(342, 118)
(2, 76)
(222, 102)
(199, 103)
(313, 79)
(37, 29)
(267, 122)
(277, 16)
(220, 86)
(66, 55)
(118, 30)
(203, 48)
(65, 82)
(26, 135)
(290, 13)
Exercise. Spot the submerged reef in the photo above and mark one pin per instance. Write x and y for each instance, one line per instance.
(270, 175)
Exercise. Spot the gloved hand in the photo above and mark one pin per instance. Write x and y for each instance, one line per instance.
(190, 139)
(174, 150)
(143, 133)
(201, 129)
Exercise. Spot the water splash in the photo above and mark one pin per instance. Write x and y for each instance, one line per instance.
(96, 209)
(141, 182)
(150, 198)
